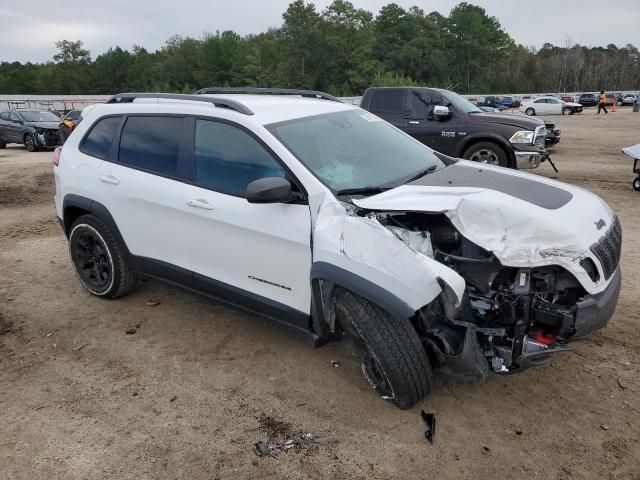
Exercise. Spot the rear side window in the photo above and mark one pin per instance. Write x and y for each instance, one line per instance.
(98, 141)
(227, 158)
(4, 116)
(391, 101)
(152, 144)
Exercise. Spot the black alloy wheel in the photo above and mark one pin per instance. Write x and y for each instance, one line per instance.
(92, 260)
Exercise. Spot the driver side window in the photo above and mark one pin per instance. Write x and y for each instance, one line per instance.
(227, 158)
(14, 117)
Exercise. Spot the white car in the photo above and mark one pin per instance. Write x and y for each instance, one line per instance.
(323, 218)
(549, 106)
(629, 99)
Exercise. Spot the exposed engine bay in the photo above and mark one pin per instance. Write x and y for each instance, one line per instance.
(509, 319)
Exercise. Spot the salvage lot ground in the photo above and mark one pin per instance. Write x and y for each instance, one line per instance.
(190, 392)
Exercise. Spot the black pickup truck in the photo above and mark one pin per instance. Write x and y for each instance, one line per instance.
(450, 124)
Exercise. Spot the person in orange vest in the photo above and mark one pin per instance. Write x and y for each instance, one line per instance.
(64, 130)
(601, 102)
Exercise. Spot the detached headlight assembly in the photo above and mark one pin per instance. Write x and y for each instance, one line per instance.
(522, 136)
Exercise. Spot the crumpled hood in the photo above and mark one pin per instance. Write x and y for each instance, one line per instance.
(524, 220)
(48, 125)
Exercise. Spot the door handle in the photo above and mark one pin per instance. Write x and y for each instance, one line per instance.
(414, 122)
(110, 179)
(200, 203)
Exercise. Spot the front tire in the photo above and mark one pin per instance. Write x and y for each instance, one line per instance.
(30, 142)
(3, 144)
(530, 111)
(636, 184)
(99, 260)
(394, 361)
(487, 152)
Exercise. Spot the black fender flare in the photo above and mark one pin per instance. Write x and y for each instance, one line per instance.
(484, 137)
(359, 285)
(95, 208)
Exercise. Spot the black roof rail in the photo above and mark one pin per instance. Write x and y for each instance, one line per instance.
(218, 102)
(268, 91)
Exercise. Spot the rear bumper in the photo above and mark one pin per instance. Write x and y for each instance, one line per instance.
(594, 311)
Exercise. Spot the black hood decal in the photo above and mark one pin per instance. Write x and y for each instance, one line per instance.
(529, 190)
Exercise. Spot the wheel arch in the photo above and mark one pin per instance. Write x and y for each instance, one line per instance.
(472, 140)
(74, 206)
(339, 277)
(27, 131)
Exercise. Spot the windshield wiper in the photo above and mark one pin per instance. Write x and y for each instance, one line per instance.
(361, 191)
(422, 173)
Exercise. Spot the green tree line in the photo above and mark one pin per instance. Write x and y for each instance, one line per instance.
(341, 50)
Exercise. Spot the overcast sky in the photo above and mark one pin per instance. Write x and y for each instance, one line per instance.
(29, 34)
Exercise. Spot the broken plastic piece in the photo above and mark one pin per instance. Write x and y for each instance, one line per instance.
(261, 449)
(429, 420)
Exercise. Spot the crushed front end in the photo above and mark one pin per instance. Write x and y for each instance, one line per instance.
(510, 318)
(47, 137)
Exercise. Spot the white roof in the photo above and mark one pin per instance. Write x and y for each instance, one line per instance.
(266, 109)
(278, 108)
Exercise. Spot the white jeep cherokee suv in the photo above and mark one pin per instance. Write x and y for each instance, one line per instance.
(325, 219)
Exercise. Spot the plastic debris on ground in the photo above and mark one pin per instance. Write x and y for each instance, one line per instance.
(429, 420)
(276, 448)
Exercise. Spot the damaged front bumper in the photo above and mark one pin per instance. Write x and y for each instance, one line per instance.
(594, 311)
(533, 347)
(47, 138)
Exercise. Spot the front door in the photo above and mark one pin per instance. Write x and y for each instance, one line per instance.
(437, 133)
(250, 253)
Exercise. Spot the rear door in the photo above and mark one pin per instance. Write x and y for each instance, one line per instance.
(141, 184)
(247, 252)
(4, 126)
(390, 104)
(14, 128)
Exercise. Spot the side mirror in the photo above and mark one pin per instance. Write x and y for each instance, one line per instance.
(441, 112)
(270, 190)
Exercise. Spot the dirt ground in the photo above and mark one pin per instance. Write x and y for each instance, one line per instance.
(195, 387)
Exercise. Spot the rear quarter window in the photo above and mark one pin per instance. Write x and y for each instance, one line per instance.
(98, 141)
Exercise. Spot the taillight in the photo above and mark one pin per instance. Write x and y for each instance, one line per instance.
(56, 156)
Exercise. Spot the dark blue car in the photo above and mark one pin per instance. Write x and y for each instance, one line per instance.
(507, 102)
(34, 129)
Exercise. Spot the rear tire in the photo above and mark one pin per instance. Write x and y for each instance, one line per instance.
(99, 259)
(394, 361)
(487, 152)
(3, 144)
(530, 111)
(636, 184)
